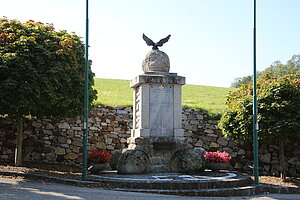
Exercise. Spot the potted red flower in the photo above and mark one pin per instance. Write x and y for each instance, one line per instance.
(217, 160)
(98, 160)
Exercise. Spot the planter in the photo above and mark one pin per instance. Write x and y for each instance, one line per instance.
(218, 166)
(95, 168)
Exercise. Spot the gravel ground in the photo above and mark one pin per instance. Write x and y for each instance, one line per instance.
(71, 172)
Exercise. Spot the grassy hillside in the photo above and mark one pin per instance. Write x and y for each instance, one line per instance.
(116, 92)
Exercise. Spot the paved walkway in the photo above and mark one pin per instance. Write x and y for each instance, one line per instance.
(35, 190)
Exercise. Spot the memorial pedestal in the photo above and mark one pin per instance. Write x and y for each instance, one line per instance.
(157, 117)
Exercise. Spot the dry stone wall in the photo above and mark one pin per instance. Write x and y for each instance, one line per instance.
(60, 141)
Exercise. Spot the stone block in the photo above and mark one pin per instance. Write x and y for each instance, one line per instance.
(266, 158)
(232, 144)
(94, 128)
(238, 165)
(210, 139)
(187, 160)
(122, 112)
(133, 162)
(241, 152)
(188, 134)
(47, 142)
(233, 154)
(37, 124)
(108, 140)
(208, 131)
(76, 128)
(123, 140)
(101, 145)
(71, 156)
(47, 132)
(293, 161)
(293, 172)
(199, 143)
(110, 147)
(49, 126)
(222, 142)
(213, 145)
(195, 122)
(191, 127)
(60, 151)
(50, 156)
(63, 125)
(227, 149)
(61, 140)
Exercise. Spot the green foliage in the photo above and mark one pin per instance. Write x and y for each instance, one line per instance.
(115, 92)
(277, 69)
(41, 71)
(278, 110)
(238, 82)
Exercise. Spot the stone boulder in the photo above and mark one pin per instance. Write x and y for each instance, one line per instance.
(156, 61)
(133, 162)
(187, 160)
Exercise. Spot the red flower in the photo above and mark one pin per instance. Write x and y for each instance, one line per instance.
(99, 156)
(217, 157)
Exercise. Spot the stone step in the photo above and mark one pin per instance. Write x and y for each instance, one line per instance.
(217, 192)
(173, 181)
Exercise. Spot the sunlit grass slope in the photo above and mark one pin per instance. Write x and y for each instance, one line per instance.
(207, 98)
(115, 92)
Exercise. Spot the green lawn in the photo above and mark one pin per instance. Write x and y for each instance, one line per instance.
(115, 92)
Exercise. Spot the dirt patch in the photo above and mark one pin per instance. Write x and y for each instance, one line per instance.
(55, 170)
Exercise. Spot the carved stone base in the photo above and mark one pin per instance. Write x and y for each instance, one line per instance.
(160, 150)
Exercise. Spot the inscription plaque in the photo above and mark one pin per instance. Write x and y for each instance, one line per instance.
(161, 110)
(164, 145)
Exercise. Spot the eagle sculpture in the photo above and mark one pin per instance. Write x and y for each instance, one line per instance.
(149, 42)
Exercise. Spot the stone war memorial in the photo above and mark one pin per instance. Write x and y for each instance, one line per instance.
(157, 142)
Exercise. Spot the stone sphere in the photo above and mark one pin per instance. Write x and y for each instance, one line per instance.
(133, 162)
(187, 160)
(156, 61)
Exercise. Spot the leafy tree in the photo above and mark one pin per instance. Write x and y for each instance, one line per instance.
(40, 73)
(277, 69)
(278, 112)
(238, 82)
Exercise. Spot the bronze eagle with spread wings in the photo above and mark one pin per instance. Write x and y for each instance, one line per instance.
(149, 42)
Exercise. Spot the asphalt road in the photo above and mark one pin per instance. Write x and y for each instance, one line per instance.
(37, 190)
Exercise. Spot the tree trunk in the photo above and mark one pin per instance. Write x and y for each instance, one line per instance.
(282, 160)
(18, 151)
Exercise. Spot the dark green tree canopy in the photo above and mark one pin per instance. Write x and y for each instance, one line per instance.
(278, 101)
(41, 71)
(277, 69)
